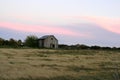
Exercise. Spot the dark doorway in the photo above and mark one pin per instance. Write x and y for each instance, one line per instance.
(52, 46)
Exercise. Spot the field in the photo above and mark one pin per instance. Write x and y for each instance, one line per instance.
(45, 64)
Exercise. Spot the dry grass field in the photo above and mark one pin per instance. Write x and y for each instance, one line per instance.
(44, 64)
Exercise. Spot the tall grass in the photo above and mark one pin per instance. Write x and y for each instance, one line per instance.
(47, 64)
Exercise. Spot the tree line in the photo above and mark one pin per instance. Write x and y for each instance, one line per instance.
(31, 41)
(83, 46)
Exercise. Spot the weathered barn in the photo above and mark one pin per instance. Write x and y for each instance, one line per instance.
(48, 41)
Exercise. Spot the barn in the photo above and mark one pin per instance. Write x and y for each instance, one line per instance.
(48, 41)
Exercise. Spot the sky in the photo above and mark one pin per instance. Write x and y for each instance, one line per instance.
(90, 22)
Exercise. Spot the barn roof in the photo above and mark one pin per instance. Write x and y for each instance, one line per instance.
(46, 36)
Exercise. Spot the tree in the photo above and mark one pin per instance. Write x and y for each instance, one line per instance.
(1, 42)
(82, 46)
(19, 43)
(13, 43)
(95, 47)
(31, 41)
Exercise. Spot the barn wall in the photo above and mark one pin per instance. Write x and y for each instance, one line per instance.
(51, 42)
(41, 43)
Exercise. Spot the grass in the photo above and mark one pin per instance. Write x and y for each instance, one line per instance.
(46, 64)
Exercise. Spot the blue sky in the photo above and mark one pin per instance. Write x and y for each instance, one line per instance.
(91, 22)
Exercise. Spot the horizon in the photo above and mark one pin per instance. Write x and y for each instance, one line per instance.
(89, 22)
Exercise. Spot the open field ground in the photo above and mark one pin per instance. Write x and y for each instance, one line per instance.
(43, 64)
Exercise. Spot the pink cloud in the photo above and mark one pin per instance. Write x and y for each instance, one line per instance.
(39, 29)
(112, 25)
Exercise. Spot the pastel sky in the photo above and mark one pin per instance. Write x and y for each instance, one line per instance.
(90, 22)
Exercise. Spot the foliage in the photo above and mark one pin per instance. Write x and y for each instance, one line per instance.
(1, 41)
(12, 43)
(31, 41)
